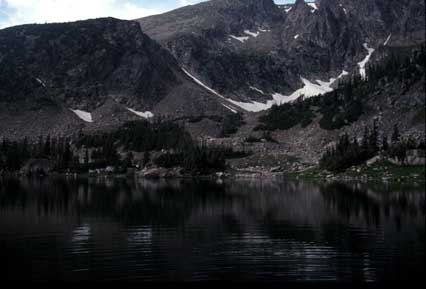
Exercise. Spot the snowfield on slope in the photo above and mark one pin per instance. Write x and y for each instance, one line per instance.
(308, 90)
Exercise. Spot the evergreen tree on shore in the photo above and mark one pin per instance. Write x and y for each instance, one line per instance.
(346, 154)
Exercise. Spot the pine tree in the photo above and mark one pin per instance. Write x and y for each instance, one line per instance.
(86, 157)
(396, 136)
(47, 147)
(365, 138)
(67, 155)
(373, 139)
(385, 143)
(129, 160)
(146, 158)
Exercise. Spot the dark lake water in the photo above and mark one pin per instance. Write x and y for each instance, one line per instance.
(277, 230)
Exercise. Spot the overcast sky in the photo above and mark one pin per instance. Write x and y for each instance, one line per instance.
(15, 12)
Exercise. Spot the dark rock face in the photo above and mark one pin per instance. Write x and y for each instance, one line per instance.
(83, 63)
(314, 40)
(101, 66)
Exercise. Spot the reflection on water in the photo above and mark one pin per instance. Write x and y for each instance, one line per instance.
(90, 229)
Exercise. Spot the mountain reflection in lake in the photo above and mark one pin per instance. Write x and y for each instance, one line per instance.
(278, 230)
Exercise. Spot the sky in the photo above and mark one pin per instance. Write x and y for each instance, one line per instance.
(16, 12)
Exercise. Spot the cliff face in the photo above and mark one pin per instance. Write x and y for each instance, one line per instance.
(235, 45)
(84, 63)
(103, 67)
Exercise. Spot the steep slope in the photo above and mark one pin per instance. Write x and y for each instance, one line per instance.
(393, 93)
(258, 53)
(95, 74)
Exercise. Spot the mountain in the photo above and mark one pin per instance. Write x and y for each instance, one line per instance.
(95, 74)
(220, 68)
(258, 53)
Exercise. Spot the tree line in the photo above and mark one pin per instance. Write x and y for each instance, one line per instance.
(93, 151)
(14, 154)
(349, 151)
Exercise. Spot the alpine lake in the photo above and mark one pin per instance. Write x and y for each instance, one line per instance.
(278, 229)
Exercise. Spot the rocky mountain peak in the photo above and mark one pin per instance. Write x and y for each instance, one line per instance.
(300, 6)
(299, 3)
(256, 6)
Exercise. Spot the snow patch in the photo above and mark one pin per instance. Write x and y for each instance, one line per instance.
(253, 34)
(264, 30)
(84, 115)
(146, 114)
(241, 39)
(256, 89)
(313, 6)
(296, 36)
(387, 40)
(364, 62)
(344, 9)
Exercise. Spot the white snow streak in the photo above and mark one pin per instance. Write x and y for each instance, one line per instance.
(288, 9)
(202, 84)
(310, 89)
(387, 40)
(264, 30)
(146, 114)
(364, 62)
(256, 89)
(41, 82)
(253, 34)
(296, 36)
(84, 115)
(230, 108)
(241, 39)
(253, 106)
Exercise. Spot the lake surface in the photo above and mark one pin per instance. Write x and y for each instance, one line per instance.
(277, 230)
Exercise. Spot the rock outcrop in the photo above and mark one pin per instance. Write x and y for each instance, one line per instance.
(108, 70)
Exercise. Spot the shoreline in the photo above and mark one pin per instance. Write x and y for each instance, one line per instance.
(414, 174)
